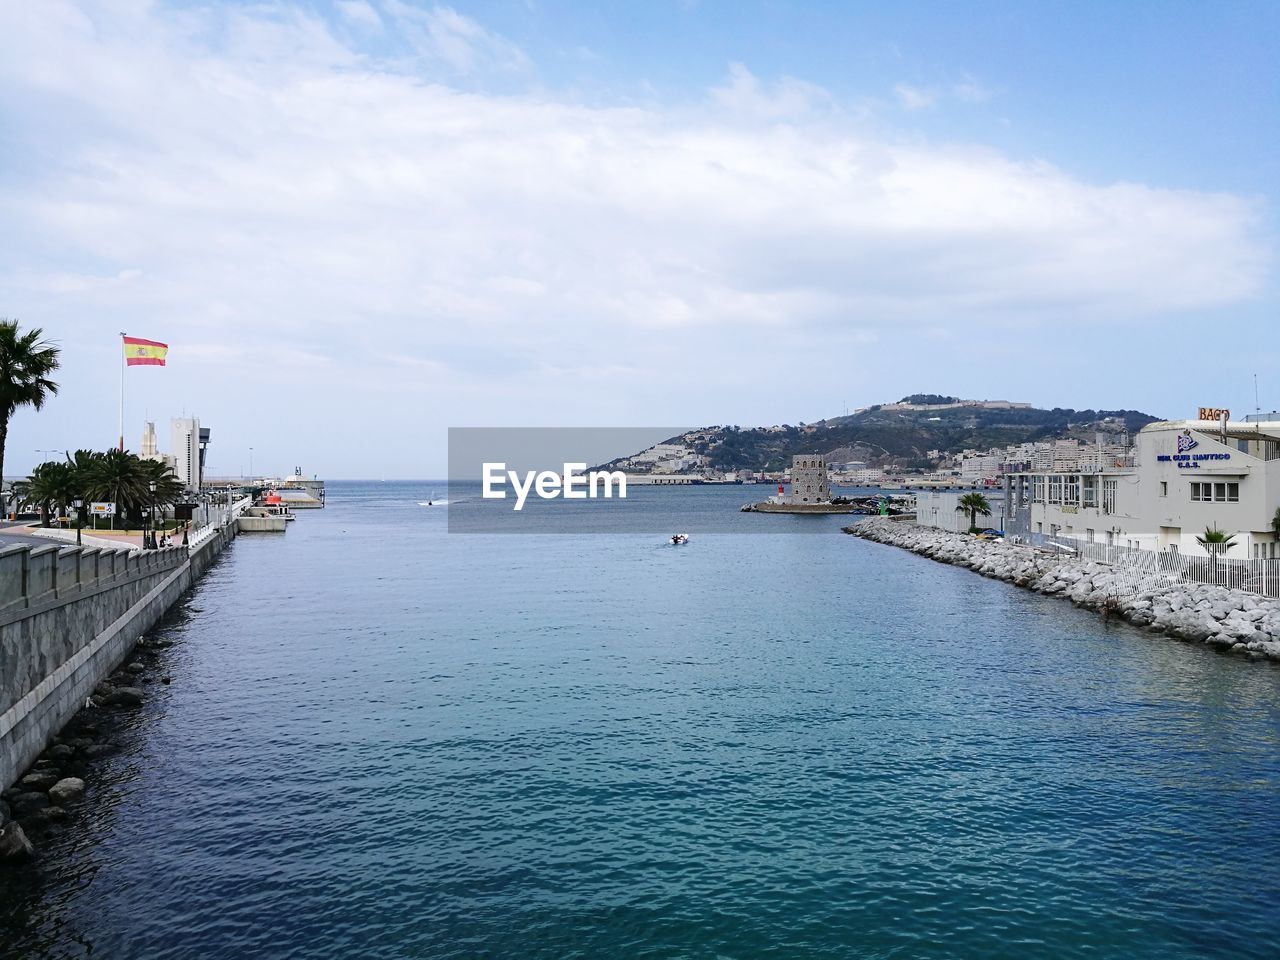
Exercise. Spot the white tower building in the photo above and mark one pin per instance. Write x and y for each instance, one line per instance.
(184, 434)
(149, 450)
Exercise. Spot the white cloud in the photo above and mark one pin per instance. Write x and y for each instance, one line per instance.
(359, 11)
(967, 90)
(788, 98)
(253, 174)
(441, 33)
(970, 90)
(915, 98)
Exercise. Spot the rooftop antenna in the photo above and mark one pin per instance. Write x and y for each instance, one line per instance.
(1257, 407)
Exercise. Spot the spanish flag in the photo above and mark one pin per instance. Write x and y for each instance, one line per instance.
(144, 352)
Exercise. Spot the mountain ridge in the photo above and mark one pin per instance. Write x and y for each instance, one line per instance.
(901, 435)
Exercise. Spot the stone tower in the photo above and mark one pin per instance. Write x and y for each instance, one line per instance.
(809, 479)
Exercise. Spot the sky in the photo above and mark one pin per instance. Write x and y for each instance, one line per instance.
(358, 223)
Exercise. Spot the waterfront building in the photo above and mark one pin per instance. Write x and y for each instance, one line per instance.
(185, 441)
(1179, 478)
(938, 508)
(149, 448)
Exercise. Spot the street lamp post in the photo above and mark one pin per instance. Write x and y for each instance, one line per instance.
(251, 463)
(78, 505)
(152, 486)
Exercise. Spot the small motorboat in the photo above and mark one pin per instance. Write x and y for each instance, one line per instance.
(677, 539)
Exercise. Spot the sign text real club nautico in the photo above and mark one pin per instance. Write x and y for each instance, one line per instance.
(573, 484)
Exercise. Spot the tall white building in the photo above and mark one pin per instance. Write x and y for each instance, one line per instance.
(184, 436)
(149, 449)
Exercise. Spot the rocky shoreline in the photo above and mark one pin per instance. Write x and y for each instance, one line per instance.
(1232, 621)
(47, 795)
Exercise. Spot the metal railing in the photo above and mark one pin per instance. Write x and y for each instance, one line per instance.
(215, 518)
(1143, 569)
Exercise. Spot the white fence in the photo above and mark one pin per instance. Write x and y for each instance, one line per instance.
(1146, 567)
(213, 517)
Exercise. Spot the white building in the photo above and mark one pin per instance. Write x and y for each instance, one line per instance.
(974, 465)
(1179, 478)
(149, 448)
(184, 436)
(938, 508)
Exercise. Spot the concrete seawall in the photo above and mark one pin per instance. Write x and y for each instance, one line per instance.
(68, 617)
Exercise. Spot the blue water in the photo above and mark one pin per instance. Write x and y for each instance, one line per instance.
(382, 740)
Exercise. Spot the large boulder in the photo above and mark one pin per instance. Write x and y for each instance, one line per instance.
(26, 804)
(14, 844)
(59, 753)
(66, 792)
(39, 780)
(124, 697)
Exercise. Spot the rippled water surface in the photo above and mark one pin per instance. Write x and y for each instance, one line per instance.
(386, 741)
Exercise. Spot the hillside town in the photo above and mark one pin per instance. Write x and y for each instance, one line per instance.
(690, 457)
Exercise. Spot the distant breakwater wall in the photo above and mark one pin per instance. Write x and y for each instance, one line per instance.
(68, 617)
(1230, 620)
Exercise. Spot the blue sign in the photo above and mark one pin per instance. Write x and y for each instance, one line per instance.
(1191, 461)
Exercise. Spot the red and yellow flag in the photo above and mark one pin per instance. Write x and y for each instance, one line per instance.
(138, 351)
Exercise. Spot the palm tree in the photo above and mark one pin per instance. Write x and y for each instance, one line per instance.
(126, 479)
(1218, 539)
(163, 483)
(50, 484)
(26, 362)
(83, 463)
(117, 476)
(1215, 541)
(974, 504)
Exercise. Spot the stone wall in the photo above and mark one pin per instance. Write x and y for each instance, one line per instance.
(68, 617)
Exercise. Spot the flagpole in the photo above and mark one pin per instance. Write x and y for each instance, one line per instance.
(122, 336)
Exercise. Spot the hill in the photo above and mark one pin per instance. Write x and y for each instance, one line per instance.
(901, 435)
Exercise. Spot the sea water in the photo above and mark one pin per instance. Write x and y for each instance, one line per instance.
(385, 740)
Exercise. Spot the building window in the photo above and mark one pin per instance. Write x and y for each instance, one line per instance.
(1090, 491)
(1109, 496)
(1071, 489)
(1215, 492)
(1164, 488)
(1055, 489)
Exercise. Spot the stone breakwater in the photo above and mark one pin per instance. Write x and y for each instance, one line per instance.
(1229, 620)
(40, 803)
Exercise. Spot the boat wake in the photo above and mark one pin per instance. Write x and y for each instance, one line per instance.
(433, 503)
